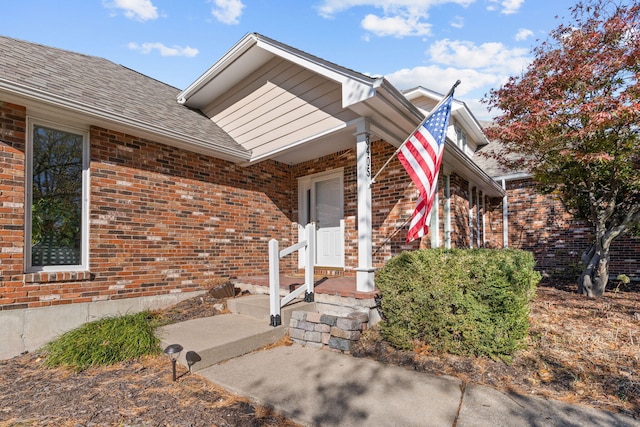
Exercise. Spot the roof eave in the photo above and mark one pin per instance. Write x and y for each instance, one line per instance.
(356, 87)
(235, 52)
(28, 95)
(484, 181)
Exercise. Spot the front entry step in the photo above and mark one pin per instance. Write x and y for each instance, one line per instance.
(223, 337)
(258, 306)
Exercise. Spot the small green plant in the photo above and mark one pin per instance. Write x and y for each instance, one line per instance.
(622, 279)
(104, 342)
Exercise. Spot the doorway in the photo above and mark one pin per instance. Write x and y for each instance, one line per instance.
(321, 200)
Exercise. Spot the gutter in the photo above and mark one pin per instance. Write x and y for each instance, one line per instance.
(451, 147)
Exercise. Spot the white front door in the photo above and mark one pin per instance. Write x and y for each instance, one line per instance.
(323, 204)
(328, 219)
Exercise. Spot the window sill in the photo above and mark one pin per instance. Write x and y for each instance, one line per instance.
(58, 276)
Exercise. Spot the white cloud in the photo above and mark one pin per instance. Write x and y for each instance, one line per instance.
(478, 67)
(457, 22)
(490, 57)
(147, 48)
(441, 79)
(396, 26)
(508, 6)
(227, 11)
(141, 10)
(330, 8)
(399, 18)
(523, 34)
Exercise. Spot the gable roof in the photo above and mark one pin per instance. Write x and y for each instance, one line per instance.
(110, 94)
(459, 110)
(390, 115)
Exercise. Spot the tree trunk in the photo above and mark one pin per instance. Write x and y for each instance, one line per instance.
(594, 277)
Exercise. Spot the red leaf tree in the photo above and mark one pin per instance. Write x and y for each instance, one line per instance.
(572, 119)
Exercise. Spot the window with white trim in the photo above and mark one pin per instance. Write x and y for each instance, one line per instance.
(461, 137)
(57, 190)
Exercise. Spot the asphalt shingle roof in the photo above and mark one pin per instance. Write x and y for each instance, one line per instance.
(106, 87)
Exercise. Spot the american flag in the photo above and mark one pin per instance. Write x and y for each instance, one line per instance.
(421, 156)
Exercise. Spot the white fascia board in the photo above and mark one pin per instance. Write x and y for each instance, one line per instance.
(464, 114)
(237, 50)
(513, 176)
(355, 87)
(459, 110)
(275, 152)
(37, 99)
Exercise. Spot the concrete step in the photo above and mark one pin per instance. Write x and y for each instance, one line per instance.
(218, 338)
(226, 336)
(257, 306)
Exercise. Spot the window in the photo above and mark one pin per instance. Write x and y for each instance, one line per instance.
(461, 139)
(56, 194)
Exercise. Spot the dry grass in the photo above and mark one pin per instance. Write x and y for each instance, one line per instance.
(579, 350)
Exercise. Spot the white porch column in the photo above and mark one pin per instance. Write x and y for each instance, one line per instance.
(365, 270)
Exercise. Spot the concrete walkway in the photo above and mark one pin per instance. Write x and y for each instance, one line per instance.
(317, 387)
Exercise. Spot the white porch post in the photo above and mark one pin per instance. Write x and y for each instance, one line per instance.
(365, 270)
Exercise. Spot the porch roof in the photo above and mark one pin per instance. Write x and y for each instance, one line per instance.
(321, 102)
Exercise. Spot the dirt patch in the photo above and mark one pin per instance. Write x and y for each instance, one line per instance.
(579, 350)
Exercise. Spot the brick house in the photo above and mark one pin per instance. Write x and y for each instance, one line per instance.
(119, 192)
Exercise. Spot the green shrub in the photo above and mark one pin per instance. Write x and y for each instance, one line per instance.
(104, 342)
(470, 302)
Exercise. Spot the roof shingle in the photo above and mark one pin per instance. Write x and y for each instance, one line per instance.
(109, 88)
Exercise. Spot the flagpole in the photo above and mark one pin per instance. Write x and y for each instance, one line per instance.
(433, 110)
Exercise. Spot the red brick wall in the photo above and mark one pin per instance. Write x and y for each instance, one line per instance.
(494, 225)
(459, 212)
(162, 220)
(540, 224)
(12, 146)
(393, 199)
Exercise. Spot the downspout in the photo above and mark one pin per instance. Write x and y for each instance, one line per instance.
(447, 212)
(470, 216)
(478, 236)
(505, 216)
(484, 220)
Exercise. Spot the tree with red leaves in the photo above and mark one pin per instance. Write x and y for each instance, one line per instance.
(572, 119)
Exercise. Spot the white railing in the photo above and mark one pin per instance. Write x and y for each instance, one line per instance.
(275, 303)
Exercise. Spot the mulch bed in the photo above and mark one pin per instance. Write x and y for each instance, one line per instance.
(580, 350)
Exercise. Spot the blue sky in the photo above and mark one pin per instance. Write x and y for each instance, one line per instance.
(430, 43)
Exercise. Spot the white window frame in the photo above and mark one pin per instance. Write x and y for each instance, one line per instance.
(84, 245)
(461, 139)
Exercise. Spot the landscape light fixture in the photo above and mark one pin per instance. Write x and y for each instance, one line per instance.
(173, 351)
(192, 357)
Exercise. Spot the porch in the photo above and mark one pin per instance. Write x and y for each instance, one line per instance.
(246, 328)
(335, 295)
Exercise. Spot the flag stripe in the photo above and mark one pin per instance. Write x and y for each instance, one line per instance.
(421, 156)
